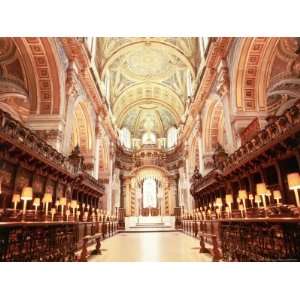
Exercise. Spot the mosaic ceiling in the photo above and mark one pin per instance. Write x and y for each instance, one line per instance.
(146, 80)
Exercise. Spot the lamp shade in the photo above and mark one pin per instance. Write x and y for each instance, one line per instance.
(27, 193)
(228, 199)
(294, 180)
(268, 193)
(257, 199)
(73, 204)
(277, 194)
(62, 201)
(36, 201)
(47, 198)
(251, 197)
(243, 194)
(261, 189)
(219, 202)
(16, 198)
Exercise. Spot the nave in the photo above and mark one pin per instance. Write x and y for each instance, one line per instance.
(151, 247)
(98, 131)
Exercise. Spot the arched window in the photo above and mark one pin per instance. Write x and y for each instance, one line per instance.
(125, 137)
(149, 138)
(149, 193)
(172, 137)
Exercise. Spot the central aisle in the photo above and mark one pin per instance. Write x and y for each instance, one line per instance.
(151, 246)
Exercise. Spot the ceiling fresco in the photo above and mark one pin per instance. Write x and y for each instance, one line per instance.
(146, 80)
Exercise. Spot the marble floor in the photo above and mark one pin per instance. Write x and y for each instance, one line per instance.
(151, 246)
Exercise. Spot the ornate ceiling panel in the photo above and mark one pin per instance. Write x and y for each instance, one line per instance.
(146, 79)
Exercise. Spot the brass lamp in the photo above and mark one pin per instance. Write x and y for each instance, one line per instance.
(251, 198)
(53, 211)
(36, 204)
(57, 204)
(261, 190)
(229, 201)
(67, 214)
(47, 199)
(241, 208)
(15, 200)
(269, 194)
(62, 203)
(277, 196)
(243, 195)
(294, 184)
(78, 214)
(26, 196)
(219, 205)
(74, 206)
(257, 200)
(227, 209)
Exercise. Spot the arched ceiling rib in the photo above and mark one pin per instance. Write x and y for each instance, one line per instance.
(145, 80)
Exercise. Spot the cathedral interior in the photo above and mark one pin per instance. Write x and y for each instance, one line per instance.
(171, 149)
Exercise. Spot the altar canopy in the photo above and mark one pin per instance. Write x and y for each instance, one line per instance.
(149, 193)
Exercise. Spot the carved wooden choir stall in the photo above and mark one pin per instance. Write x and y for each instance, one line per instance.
(50, 207)
(247, 207)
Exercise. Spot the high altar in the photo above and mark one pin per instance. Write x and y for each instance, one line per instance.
(150, 221)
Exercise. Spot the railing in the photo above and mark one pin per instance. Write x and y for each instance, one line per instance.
(252, 239)
(48, 241)
(283, 126)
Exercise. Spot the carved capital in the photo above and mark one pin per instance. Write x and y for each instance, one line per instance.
(208, 161)
(223, 82)
(72, 89)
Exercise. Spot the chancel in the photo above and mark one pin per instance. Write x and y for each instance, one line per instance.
(150, 148)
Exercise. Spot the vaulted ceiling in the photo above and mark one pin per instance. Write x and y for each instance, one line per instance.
(145, 80)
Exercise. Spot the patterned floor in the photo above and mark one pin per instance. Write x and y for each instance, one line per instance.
(151, 246)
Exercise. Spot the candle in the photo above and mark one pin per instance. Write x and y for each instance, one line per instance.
(67, 214)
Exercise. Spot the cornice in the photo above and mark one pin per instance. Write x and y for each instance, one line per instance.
(76, 51)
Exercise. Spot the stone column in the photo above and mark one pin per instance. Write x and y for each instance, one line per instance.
(97, 149)
(223, 85)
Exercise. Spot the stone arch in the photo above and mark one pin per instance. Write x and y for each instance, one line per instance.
(213, 124)
(42, 70)
(80, 126)
(250, 73)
